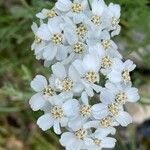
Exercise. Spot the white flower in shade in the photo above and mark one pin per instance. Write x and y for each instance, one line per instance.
(84, 113)
(88, 70)
(58, 114)
(109, 107)
(99, 140)
(74, 10)
(121, 71)
(52, 34)
(106, 58)
(114, 15)
(74, 140)
(97, 19)
(66, 80)
(47, 13)
(74, 31)
(77, 48)
(44, 91)
(104, 40)
(121, 93)
(38, 44)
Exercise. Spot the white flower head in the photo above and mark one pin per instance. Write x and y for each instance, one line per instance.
(66, 79)
(58, 114)
(99, 140)
(121, 71)
(114, 15)
(76, 139)
(51, 14)
(52, 34)
(74, 10)
(75, 41)
(44, 91)
(88, 70)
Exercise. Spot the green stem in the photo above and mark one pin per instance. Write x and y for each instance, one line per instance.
(89, 2)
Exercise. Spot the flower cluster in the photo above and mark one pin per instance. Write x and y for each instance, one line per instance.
(75, 40)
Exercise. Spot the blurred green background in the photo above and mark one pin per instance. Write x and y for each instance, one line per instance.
(18, 130)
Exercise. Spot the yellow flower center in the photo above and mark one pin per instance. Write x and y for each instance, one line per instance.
(85, 110)
(96, 19)
(78, 48)
(106, 44)
(37, 40)
(106, 122)
(106, 62)
(81, 30)
(57, 112)
(121, 98)
(97, 142)
(48, 91)
(91, 76)
(57, 38)
(51, 14)
(67, 84)
(115, 21)
(113, 109)
(126, 76)
(81, 134)
(76, 7)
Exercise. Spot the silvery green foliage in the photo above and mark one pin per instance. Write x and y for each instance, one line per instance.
(76, 43)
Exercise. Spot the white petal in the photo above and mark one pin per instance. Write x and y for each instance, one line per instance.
(59, 70)
(71, 107)
(106, 96)
(57, 127)
(43, 32)
(67, 139)
(73, 74)
(34, 27)
(63, 5)
(99, 111)
(90, 124)
(62, 53)
(37, 101)
(108, 142)
(79, 67)
(45, 122)
(50, 52)
(114, 76)
(133, 95)
(77, 123)
(84, 98)
(91, 62)
(124, 118)
(38, 83)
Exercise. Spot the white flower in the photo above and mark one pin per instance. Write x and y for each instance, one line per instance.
(104, 40)
(121, 93)
(121, 71)
(74, 9)
(114, 15)
(66, 80)
(106, 58)
(99, 140)
(38, 44)
(44, 91)
(88, 70)
(50, 14)
(52, 33)
(109, 107)
(84, 113)
(74, 140)
(97, 19)
(58, 114)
